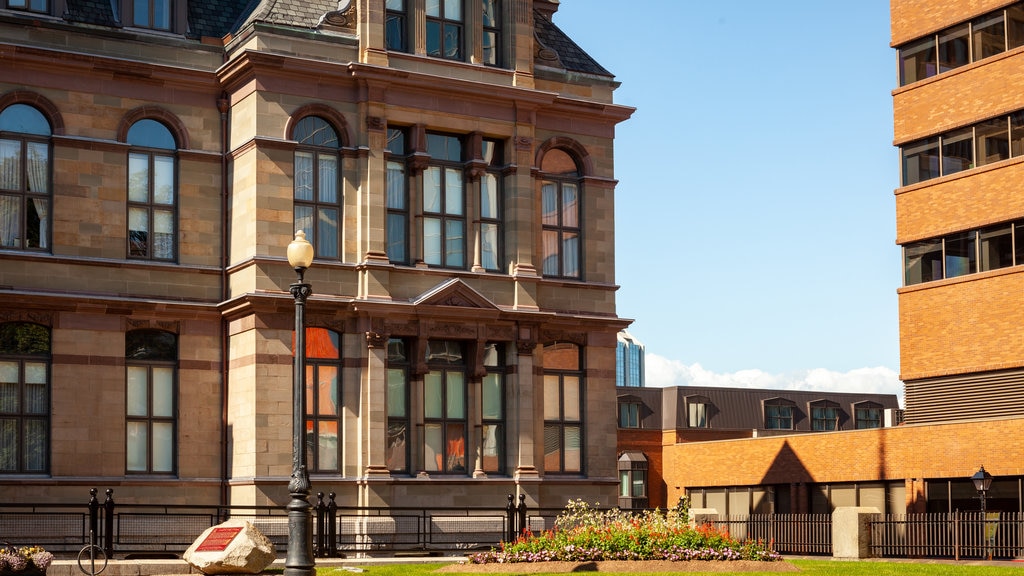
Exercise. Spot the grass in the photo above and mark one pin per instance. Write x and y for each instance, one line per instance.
(807, 568)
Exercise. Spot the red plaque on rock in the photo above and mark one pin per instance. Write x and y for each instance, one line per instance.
(218, 539)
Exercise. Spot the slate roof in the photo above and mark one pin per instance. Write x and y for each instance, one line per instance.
(573, 57)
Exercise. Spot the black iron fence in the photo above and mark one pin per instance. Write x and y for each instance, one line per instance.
(787, 533)
(956, 535)
(148, 530)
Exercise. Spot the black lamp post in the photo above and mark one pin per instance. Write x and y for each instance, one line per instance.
(299, 561)
(982, 482)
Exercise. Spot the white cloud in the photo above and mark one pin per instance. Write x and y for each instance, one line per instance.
(663, 372)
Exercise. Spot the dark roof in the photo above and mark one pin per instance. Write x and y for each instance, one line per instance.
(215, 18)
(571, 56)
(99, 12)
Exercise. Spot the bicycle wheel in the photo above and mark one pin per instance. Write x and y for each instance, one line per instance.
(94, 557)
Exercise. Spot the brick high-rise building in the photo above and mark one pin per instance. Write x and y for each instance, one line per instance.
(451, 161)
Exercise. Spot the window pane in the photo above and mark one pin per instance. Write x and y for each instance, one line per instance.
(639, 483)
(573, 449)
(396, 185)
(456, 453)
(163, 234)
(993, 138)
(8, 444)
(327, 391)
(1017, 134)
(140, 10)
(432, 241)
(304, 176)
(163, 180)
(917, 61)
(395, 451)
(552, 398)
(396, 393)
(433, 399)
(570, 206)
(163, 392)
(552, 447)
(137, 401)
(38, 168)
(452, 9)
(920, 161)
(549, 202)
(954, 48)
(490, 46)
(493, 440)
(37, 219)
(1015, 26)
(151, 134)
(960, 254)
(454, 244)
(492, 397)
(10, 165)
(396, 238)
(138, 232)
(328, 179)
(570, 256)
(996, 247)
(34, 456)
(432, 189)
(10, 216)
(433, 8)
(36, 400)
(957, 151)
(138, 178)
(989, 36)
(624, 483)
(395, 4)
(452, 41)
(394, 32)
(571, 398)
(162, 14)
(489, 246)
(923, 261)
(453, 203)
(549, 239)
(304, 218)
(136, 446)
(327, 443)
(327, 233)
(433, 38)
(163, 447)
(433, 447)
(489, 196)
(24, 119)
(455, 395)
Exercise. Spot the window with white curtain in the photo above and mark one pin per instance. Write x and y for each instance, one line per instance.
(492, 417)
(318, 195)
(563, 408)
(151, 398)
(490, 206)
(397, 198)
(25, 168)
(560, 215)
(24, 398)
(152, 192)
(444, 203)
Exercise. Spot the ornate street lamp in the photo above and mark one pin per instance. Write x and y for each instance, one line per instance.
(299, 561)
(982, 482)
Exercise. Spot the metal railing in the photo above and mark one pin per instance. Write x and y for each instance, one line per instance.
(948, 535)
(789, 533)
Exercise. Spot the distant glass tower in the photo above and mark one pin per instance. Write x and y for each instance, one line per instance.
(629, 361)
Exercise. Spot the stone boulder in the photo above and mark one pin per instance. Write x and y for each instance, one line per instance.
(234, 547)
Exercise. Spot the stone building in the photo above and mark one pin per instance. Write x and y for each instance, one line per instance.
(451, 162)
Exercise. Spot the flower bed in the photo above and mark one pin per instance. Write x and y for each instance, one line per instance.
(24, 561)
(583, 534)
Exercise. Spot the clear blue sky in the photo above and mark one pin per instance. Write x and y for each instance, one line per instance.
(755, 229)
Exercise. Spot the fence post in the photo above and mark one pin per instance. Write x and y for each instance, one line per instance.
(522, 527)
(108, 523)
(94, 517)
(321, 516)
(510, 514)
(332, 526)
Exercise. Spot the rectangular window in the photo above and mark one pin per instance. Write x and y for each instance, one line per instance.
(444, 410)
(954, 48)
(491, 35)
(490, 206)
(395, 18)
(323, 394)
(920, 161)
(993, 141)
(397, 201)
(869, 417)
(778, 417)
(922, 261)
(918, 61)
(155, 14)
(988, 35)
(492, 416)
(560, 217)
(1014, 26)
(1017, 134)
(41, 6)
(957, 151)
(629, 415)
(697, 415)
(995, 247)
(824, 418)
(961, 256)
(25, 211)
(151, 206)
(397, 450)
(444, 221)
(444, 29)
(24, 416)
(151, 419)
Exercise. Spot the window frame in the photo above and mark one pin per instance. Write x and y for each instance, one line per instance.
(176, 14)
(400, 34)
(319, 154)
(777, 411)
(870, 408)
(23, 196)
(151, 152)
(493, 222)
(558, 421)
(445, 25)
(28, 6)
(825, 416)
(444, 216)
(492, 30)
(396, 154)
(316, 364)
(629, 414)
(154, 359)
(495, 370)
(398, 367)
(445, 420)
(20, 355)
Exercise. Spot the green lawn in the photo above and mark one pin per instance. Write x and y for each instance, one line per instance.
(807, 568)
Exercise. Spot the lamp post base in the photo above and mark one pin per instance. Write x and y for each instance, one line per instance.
(299, 561)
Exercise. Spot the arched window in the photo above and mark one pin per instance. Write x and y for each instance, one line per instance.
(24, 178)
(151, 401)
(563, 408)
(318, 194)
(323, 400)
(561, 218)
(152, 192)
(24, 398)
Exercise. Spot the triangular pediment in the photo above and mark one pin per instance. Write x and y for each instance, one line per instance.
(454, 292)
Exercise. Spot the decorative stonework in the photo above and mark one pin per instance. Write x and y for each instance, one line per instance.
(42, 318)
(143, 324)
(524, 143)
(375, 123)
(376, 339)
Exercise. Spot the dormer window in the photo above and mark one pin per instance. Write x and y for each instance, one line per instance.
(161, 15)
(778, 414)
(39, 6)
(824, 416)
